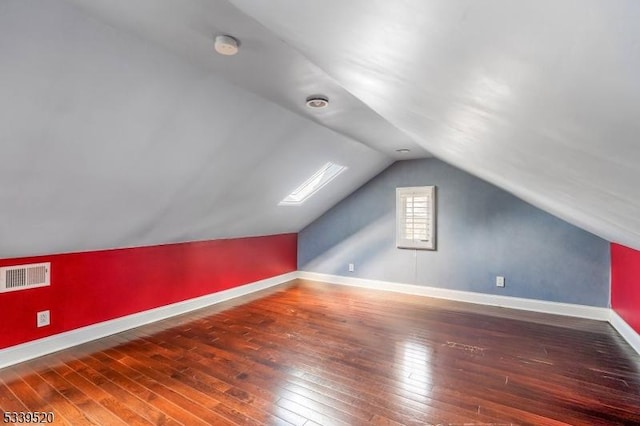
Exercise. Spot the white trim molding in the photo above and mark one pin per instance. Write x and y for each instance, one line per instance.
(625, 330)
(567, 309)
(47, 345)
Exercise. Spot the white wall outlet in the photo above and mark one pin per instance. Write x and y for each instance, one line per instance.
(43, 318)
(352, 267)
(499, 281)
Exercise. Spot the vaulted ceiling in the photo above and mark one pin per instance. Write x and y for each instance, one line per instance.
(121, 126)
(541, 98)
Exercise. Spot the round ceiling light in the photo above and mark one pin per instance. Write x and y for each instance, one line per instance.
(317, 101)
(226, 45)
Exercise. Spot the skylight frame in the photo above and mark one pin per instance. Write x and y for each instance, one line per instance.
(321, 178)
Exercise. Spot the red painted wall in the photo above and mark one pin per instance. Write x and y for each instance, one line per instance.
(625, 284)
(91, 287)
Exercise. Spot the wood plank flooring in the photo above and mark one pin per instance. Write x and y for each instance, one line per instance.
(318, 354)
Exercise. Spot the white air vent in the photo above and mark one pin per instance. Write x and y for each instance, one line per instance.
(22, 277)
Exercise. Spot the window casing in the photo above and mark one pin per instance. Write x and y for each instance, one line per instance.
(416, 217)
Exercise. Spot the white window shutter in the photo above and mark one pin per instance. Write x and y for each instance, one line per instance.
(415, 217)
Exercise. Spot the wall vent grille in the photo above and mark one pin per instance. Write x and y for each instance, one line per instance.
(22, 277)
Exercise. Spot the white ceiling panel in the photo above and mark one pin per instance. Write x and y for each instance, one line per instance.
(108, 140)
(538, 97)
(264, 65)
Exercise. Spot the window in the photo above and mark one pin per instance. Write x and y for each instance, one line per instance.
(415, 217)
(326, 174)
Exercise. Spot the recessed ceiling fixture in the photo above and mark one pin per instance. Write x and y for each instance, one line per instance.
(317, 101)
(319, 179)
(226, 45)
(403, 150)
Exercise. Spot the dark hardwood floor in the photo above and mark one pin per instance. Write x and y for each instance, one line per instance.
(310, 353)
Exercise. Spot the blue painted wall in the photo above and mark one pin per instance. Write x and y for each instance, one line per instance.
(482, 231)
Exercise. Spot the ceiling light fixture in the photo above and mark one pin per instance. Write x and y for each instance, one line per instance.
(403, 150)
(226, 45)
(317, 101)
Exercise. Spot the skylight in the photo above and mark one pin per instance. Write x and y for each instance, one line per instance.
(326, 174)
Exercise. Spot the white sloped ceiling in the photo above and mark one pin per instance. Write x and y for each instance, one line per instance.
(108, 140)
(121, 127)
(541, 98)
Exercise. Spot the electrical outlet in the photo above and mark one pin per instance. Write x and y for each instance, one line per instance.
(499, 281)
(352, 267)
(43, 318)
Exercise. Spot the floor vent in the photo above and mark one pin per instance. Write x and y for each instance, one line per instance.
(22, 277)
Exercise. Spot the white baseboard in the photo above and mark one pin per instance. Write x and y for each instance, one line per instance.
(47, 345)
(567, 309)
(625, 330)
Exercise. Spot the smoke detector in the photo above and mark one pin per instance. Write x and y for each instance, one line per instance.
(317, 101)
(226, 45)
